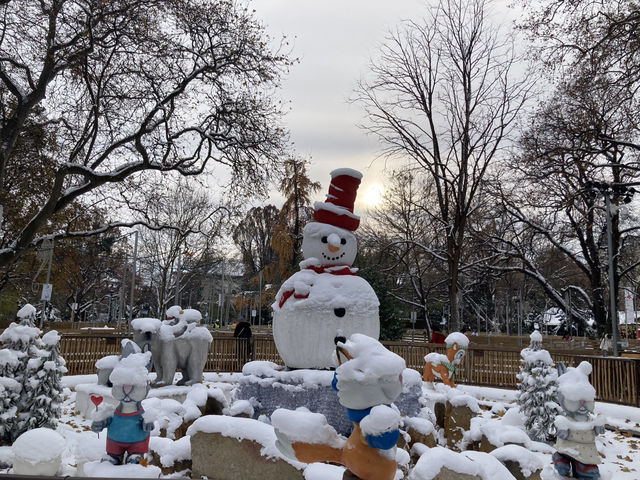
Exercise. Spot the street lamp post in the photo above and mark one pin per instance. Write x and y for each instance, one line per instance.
(607, 190)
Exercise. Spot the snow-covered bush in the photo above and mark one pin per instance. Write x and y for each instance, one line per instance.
(538, 390)
(47, 394)
(30, 369)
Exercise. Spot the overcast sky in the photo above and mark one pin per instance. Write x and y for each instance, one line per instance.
(334, 41)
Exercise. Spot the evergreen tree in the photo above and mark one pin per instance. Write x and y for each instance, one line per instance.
(391, 326)
(538, 389)
(45, 409)
(23, 340)
(9, 393)
(297, 188)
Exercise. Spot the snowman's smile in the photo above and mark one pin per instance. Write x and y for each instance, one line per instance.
(333, 259)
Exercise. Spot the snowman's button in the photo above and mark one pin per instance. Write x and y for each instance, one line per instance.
(339, 312)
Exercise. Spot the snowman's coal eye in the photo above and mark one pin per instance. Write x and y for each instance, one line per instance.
(323, 239)
(343, 241)
(339, 312)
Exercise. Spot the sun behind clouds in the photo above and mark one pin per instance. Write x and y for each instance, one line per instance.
(373, 195)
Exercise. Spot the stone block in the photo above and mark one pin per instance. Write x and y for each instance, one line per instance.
(223, 458)
(487, 447)
(457, 420)
(426, 439)
(439, 409)
(446, 474)
(515, 470)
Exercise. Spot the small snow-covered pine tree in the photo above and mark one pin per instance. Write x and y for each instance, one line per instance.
(9, 394)
(23, 340)
(538, 389)
(47, 394)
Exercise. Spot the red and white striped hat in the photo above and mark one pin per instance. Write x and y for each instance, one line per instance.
(337, 209)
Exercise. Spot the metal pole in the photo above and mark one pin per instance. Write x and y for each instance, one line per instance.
(519, 317)
(260, 303)
(176, 298)
(506, 310)
(612, 294)
(123, 294)
(133, 279)
(46, 302)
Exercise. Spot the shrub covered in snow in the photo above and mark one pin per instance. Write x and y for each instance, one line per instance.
(538, 390)
(30, 371)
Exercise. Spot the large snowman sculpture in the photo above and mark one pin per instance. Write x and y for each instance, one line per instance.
(326, 298)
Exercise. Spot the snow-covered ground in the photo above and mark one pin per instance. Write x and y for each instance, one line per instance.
(620, 451)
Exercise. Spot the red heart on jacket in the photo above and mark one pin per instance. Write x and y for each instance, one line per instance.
(96, 399)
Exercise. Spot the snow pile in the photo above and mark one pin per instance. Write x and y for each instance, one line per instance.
(420, 425)
(242, 428)
(574, 384)
(490, 467)
(171, 451)
(459, 399)
(529, 461)
(371, 362)
(108, 470)
(240, 407)
(432, 460)
(166, 414)
(28, 447)
(304, 426)
(131, 370)
(381, 419)
(513, 417)
(144, 325)
(323, 471)
(456, 337)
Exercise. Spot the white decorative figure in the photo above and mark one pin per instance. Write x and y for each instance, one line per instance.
(38, 452)
(577, 428)
(325, 298)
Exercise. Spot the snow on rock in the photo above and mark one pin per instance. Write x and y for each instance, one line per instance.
(575, 385)
(529, 461)
(6, 456)
(323, 471)
(457, 337)
(165, 413)
(410, 377)
(242, 428)
(381, 419)
(459, 399)
(420, 425)
(301, 425)
(131, 370)
(108, 362)
(371, 362)
(51, 338)
(513, 417)
(240, 407)
(28, 446)
(490, 467)
(268, 372)
(171, 451)
(108, 470)
(38, 452)
(432, 460)
(27, 311)
(151, 325)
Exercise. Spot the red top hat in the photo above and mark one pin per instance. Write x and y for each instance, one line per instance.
(337, 209)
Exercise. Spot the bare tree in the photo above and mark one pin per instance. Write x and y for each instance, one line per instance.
(199, 223)
(443, 94)
(133, 87)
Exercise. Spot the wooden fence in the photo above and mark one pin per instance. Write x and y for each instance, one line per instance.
(615, 379)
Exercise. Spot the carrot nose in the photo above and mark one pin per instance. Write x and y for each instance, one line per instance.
(333, 249)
